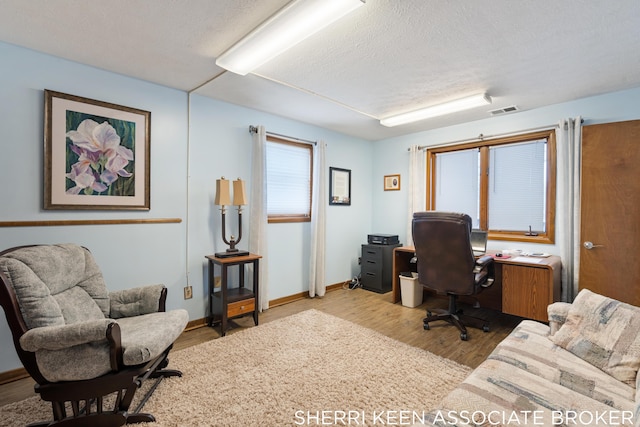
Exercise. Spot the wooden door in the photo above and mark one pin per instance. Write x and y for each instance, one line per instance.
(610, 211)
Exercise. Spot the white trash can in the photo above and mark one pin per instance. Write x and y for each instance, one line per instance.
(410, 290)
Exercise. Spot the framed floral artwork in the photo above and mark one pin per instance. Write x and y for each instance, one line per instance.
(96, 154)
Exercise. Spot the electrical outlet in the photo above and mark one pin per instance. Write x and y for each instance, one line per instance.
(188, 292)
(217, 282)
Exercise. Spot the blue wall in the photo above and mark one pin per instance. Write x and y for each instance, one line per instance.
(188, 154)
(391, 155)
(221, 146)
(185, 162)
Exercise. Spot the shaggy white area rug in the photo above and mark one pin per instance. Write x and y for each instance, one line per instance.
(310, 368)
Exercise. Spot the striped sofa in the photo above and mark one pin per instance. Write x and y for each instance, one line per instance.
(581, 370)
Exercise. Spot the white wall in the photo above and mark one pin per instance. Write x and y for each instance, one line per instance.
(391, 155)
(217, 144)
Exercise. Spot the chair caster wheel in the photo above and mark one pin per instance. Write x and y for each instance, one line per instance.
(485, 328)
(425, 326)
(429, 314)
(463, 336)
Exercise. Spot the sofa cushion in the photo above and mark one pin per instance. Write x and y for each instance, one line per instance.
(603, 332)
(528, 374)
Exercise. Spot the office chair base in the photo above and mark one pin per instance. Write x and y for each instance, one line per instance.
(457, 319)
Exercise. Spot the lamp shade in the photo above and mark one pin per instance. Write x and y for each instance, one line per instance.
(239, 195)
(223, 197)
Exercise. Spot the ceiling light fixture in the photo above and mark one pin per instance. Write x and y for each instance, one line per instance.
(438, 110)
(289, 26)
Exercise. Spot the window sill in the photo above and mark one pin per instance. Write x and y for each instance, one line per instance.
(520, 237)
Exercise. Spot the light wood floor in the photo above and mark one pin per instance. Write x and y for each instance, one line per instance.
(371, 310)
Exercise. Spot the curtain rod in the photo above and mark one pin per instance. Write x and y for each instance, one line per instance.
(254, 129)
(482, 137)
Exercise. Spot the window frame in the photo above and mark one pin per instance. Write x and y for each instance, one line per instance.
(292, 218)
(483, 146)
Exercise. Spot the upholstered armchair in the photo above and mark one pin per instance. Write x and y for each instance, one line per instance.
(80, 342)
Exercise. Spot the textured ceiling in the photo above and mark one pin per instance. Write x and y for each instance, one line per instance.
(387, 57)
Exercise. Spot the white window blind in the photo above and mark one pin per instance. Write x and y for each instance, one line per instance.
(458, 183)
(517, 186)
(288, 179)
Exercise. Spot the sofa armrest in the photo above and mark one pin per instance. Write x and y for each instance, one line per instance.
(557, 312)
(65, 336)
(137, 301)
(636, 408)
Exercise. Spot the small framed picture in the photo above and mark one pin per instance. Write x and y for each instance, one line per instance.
(391, 182)
(339, 186)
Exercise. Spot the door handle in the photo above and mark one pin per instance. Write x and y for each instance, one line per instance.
(588, 245)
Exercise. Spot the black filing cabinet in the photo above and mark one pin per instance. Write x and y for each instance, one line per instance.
(377, 267)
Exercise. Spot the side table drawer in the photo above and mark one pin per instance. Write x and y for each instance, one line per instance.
(241, 307)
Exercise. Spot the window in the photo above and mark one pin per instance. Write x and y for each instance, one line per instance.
(506, 185)
(289, 172)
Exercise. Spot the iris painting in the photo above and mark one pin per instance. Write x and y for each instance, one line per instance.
(99, 155)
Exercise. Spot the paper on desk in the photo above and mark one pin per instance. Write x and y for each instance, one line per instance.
(527, 259)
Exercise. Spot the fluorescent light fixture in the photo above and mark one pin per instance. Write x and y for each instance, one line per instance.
(288, 27)
(438, 110)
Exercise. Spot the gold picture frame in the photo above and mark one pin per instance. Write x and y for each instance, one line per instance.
(392, 182)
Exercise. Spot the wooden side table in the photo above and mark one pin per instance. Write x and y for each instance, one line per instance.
(228, 303)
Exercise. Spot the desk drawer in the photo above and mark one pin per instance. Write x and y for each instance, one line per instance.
(241, 307)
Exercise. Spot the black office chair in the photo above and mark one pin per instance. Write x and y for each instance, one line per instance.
(446, 264)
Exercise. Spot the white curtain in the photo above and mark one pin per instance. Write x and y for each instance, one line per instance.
(258, 216)
(319, 201)
(417, 178)
(569, 142)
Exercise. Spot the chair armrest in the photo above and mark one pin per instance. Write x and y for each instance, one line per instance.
(65, 336)
(137, 301)
(485, 271)
(482, 262)
(557, 312)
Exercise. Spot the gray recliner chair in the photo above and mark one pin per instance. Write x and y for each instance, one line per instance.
(80, 342)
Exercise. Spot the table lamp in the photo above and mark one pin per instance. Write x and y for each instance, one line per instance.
(223, 199)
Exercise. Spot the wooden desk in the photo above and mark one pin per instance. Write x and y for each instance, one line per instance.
(228, 303)
(521, 288)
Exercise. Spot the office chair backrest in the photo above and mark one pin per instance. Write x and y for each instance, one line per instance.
(443, 249)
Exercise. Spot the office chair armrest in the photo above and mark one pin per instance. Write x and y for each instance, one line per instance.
(484, 271)
(482, 263)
